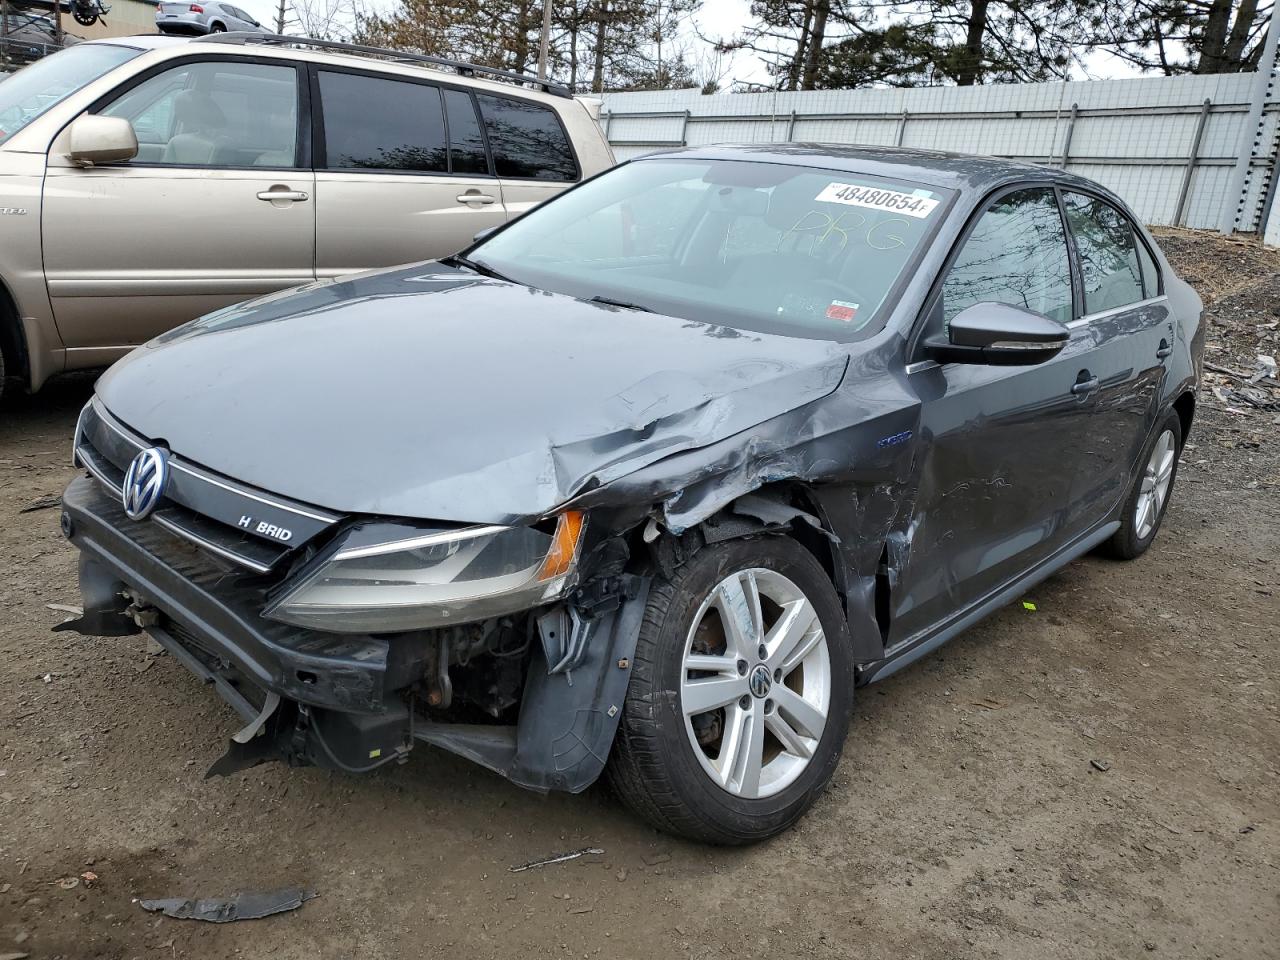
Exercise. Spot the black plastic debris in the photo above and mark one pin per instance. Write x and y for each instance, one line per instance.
(238, 906)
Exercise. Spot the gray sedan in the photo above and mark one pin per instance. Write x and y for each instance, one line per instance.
(648, 481)
(205, 18)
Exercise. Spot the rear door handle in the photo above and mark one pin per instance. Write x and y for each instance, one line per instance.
(1083, 387)
(273, 195)
(482, 198)
(1164, 350)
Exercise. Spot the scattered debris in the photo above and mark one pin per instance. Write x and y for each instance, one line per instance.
(42, 503)
(558, 858)
(1101, 766)
(1028, 605)
(88, 878)
(238, 906)
(1249, 828)
(66, 608)
(14, 956)
(68, 883)
(654, 859)
(989, 703)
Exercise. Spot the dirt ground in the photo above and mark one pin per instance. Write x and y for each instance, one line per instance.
(969, 818)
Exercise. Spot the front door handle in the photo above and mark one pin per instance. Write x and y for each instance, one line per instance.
(475, 196)
(282, 193)
(1085, 384)
(1164, 350)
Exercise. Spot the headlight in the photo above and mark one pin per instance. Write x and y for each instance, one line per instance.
(435, 580)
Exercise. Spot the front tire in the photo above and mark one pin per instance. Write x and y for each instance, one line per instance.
(1149, 496)
(740, 694)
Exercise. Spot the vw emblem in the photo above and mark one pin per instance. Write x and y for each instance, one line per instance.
(144, 482)
(760, 681)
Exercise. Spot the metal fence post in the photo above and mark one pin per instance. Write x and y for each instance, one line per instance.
(1180, 208)
(791, 127)
(1066, 141)
(684, 127)
(902, 128)
(1233, 206)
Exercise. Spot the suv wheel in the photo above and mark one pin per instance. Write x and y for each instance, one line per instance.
(217, 28)
(1148, 498)
(740, 694)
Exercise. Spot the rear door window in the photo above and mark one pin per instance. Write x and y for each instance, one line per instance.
(1016, 254)
(466, 142)
(1108, 252)
(527, 140)
(372, 123)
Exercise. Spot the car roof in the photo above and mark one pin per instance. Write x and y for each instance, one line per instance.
(527, 90)
(956, 171)
(143, 42)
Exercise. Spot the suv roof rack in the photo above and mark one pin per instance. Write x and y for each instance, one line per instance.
(397, 56)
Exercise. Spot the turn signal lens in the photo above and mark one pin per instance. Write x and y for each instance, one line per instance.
(564, 546)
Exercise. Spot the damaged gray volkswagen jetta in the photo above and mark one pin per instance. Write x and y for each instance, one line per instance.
(648, 481)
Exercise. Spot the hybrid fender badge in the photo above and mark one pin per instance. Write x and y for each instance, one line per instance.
(144, 482)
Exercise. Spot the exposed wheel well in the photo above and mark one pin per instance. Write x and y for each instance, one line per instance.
(1185, 407)
(13, 343)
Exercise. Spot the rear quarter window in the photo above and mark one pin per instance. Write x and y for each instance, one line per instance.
(527, 140)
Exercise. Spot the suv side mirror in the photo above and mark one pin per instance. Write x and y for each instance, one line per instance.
(101, 140)
(999, 335)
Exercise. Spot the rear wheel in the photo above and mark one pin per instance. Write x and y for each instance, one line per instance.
(740, 694)
(1148, 498)
(217, 28)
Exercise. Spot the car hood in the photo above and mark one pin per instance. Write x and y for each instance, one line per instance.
(430, 392)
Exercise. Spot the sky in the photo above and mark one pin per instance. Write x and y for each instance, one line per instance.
(726, 18)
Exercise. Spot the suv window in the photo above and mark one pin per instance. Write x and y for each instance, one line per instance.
(372, 123)
(1016, 254)
(466, 142)
(220, 114)
(527, 140)
(1108, 253)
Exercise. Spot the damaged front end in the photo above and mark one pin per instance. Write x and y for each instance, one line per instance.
(508, 645)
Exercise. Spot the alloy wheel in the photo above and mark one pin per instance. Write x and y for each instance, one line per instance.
(1154, 492)
(755, 684)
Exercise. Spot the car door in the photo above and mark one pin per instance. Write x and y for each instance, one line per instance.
(532, 154)
(214, 209)
(1000, 447)
(1130, 329)
(402, 172)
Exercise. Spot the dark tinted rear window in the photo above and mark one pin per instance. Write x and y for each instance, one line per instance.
(527, 140)
(466, 144)
(375, 124)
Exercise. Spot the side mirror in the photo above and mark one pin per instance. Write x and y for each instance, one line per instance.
(102, 140)
(999, 335)
(482, 234)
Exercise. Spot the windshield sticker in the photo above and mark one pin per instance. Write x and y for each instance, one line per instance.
(918, 203)
(842, 310)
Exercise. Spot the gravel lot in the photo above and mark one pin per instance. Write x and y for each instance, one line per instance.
(969, 817)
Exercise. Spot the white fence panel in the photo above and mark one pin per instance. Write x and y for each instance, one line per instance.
(1165, 144)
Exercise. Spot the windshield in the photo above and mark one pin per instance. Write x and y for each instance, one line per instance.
(758, 246)
(34, 89)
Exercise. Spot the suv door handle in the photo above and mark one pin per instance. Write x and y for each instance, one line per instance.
(1164, 349)
(1085, 384)
(476, 197)
(273, 195)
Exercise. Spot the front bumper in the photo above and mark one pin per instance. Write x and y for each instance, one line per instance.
(217, 611)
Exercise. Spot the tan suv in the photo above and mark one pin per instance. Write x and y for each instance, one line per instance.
(148, 180)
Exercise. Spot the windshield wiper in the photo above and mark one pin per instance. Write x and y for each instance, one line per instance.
(481, 268)
(624, 304)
